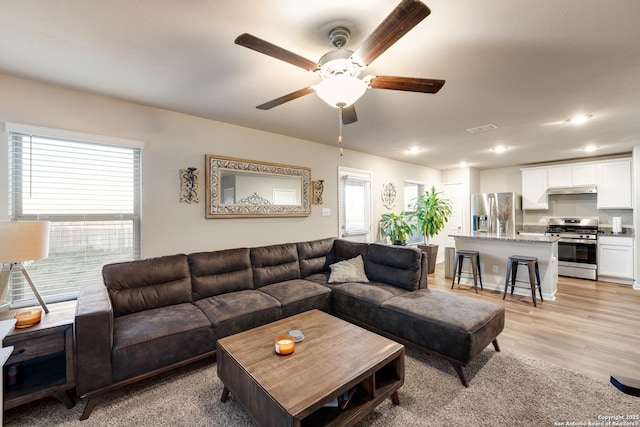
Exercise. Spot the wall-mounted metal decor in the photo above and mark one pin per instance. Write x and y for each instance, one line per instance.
(318, 188)
(237, 188)
(189, 185)
(389, 195)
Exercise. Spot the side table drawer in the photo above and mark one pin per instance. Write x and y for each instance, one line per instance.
(36, 347)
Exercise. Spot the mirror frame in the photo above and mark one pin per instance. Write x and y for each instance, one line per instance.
(215, 209)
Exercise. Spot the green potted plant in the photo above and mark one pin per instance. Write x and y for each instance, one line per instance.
(397, 227)
(431, 213)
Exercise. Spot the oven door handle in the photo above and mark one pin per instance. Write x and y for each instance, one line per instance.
(580, 241)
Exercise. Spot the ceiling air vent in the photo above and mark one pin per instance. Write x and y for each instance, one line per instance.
(481, 129)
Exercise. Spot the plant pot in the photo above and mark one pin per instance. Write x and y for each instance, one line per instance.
(432, 255)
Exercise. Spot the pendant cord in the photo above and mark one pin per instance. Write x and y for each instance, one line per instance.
(340, 131)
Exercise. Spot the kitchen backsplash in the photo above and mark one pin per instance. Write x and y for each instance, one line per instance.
(576, 206)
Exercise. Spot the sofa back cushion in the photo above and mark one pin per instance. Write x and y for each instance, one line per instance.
(219, 272)
(345, 249)
(145, 284)
(395, 265)
(275, 263)
(315, 256)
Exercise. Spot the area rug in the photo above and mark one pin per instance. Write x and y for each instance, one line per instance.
(506, 389)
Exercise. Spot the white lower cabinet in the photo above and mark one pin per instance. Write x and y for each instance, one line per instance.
(615, 258)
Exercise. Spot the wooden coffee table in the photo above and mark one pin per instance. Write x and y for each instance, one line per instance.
(292, 390)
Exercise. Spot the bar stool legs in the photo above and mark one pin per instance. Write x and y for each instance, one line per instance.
(534, 275)
(474, 257)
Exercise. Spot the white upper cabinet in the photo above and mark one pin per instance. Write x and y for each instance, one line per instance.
(611, 177)
(559, 176)
(583, 174)
(571, 175)
(614, 184)
(534, 188)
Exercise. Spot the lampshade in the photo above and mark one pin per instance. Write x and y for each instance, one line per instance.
(23, 241)
(341, 90)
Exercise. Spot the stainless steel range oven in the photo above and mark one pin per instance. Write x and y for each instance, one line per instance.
(577, 247)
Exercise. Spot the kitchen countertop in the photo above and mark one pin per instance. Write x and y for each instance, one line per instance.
(626, 232)
(518, 238)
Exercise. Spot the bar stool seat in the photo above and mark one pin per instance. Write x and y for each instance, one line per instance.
(474, 257)
(534, 275)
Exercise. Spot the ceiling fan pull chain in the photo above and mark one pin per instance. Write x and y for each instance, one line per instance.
(340, 131)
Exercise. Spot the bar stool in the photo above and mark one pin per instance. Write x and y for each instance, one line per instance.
(474, 257)
(534, 275)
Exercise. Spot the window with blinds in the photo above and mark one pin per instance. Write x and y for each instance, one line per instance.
(88, 187)
(411, 192)
(355, 203)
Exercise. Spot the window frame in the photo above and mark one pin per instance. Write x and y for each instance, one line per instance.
(15, 197)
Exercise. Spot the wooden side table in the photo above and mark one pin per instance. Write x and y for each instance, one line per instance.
(42, 362)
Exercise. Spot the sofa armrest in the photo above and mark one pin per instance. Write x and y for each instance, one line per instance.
(93, 338)
(424, 271)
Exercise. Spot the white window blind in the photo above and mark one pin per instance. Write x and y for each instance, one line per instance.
(90, 193)
(411, 192)
(355, 203)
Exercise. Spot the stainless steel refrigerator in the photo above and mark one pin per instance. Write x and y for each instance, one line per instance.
(496, 213)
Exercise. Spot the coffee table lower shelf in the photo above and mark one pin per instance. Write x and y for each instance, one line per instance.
(376, 370)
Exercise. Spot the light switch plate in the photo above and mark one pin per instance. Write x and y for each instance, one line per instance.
(326, 212)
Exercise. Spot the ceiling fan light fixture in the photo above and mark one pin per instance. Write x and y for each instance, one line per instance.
(341, 90)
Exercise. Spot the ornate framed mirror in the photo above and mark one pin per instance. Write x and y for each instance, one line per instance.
(237, 188)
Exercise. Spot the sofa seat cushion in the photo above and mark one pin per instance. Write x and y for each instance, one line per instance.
(320, 278)
(151, 339)
(296, 296)
(455, 326)
(361, 301)
(235, 312)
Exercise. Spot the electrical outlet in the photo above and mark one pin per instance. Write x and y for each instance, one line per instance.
(495, 269)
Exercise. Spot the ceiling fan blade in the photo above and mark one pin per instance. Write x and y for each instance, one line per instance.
(409, 84)
(402, 19)
(286, 98)
(262, 46)
(349, 114)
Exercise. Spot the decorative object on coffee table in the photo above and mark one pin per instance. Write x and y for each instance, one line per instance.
(285, 344)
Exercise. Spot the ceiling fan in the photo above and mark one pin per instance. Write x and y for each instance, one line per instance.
(339, 69)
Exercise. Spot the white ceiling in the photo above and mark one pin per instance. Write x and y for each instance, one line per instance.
(523, 65)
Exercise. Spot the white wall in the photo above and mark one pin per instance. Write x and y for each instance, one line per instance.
(176, 141)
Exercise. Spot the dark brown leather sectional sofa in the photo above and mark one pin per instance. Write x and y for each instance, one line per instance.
(157, 314)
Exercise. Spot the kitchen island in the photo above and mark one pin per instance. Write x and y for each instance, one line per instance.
(494, 251)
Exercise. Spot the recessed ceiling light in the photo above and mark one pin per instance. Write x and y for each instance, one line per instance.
(579, 119)
(590, 148)
(500, 149)
(414, 150)
(464, 164)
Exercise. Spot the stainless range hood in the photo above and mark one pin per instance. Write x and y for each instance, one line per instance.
(573, 189)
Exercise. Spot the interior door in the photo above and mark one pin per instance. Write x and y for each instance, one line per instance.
(454, 192)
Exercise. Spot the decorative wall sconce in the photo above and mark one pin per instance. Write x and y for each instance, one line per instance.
(189, 185)
(318, 188)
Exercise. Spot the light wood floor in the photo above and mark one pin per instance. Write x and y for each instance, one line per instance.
(591, 327)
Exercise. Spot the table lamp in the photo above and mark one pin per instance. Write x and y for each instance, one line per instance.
(22, 241)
